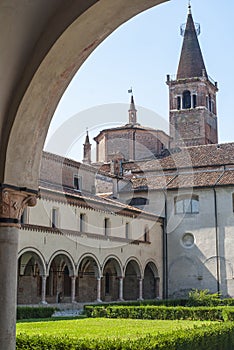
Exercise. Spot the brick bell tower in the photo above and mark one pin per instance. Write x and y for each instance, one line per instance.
(192, 94)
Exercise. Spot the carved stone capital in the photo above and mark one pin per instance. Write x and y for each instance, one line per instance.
(12, 204)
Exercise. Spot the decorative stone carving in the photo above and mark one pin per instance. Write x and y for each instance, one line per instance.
(12, 204)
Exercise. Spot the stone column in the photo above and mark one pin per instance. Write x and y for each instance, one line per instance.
(43, 290)
(12, 203)
(157, 280)
(140, 289)
(99, 280)
(121, 289)
(73, 289)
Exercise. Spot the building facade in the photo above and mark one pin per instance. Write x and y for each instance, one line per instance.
(194, 193)
(152, 217)
(76, 246)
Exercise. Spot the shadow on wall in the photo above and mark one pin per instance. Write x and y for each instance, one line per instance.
(193, 271)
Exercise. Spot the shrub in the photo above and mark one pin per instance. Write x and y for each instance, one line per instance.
(212, 337)
(165, 302)
(203, 298)
(26, 312)
(197, 298)
(201, 313)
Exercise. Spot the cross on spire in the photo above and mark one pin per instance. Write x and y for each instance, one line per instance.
(189, 7)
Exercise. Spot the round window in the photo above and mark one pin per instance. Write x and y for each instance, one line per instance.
(188, 240)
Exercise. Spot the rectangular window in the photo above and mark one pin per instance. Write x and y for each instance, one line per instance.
(54, 217)
(195, 206)
(146, 234)
(178, 102)
(179, 207)
(77, 182)
(127, 230)
(138, 201)
(194, 101)
(187, 205)
(106, 226)
(82, 222)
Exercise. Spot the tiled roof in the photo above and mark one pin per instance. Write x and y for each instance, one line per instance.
(129, 127)
(93, 202)
(197, 166)
(227, 178)
(190, 157)
(199, 178)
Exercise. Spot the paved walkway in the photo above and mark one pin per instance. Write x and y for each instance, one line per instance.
(68, 313)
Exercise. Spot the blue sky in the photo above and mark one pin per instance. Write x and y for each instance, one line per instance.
(139, 54)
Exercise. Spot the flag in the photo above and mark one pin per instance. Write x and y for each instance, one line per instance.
(130, 91)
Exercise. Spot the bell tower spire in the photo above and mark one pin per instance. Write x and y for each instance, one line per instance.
(192, 95)
(191, 62)
(87, 149)
(132, 112)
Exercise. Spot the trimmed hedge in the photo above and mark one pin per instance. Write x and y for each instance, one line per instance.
(212, 337)
(171, 302)
(26, 312)
(163, 312)
(158, 302)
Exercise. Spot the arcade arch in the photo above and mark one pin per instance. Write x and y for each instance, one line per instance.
(60, 271)
(31, 269)
(37, 65)
(151, 281)
(132, 280)
(112, 280)
(88, 279)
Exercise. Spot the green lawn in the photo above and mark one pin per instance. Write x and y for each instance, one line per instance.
(103, 327)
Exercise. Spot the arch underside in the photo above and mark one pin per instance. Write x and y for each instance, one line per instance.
(38, 64)
(60, 272)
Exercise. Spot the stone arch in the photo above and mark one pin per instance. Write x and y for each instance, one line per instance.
(88, 274)
(186, 99)
(137, 266)
(68, 258)
(60, 270)
(112, 273)
(117, 263)
(37, 65)
(132, 275)
(31, 268)
(95, 259)
(209, 275)
(226, 268)
(151, 281)
(184, 275)
(35, 252)
(48, 69)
